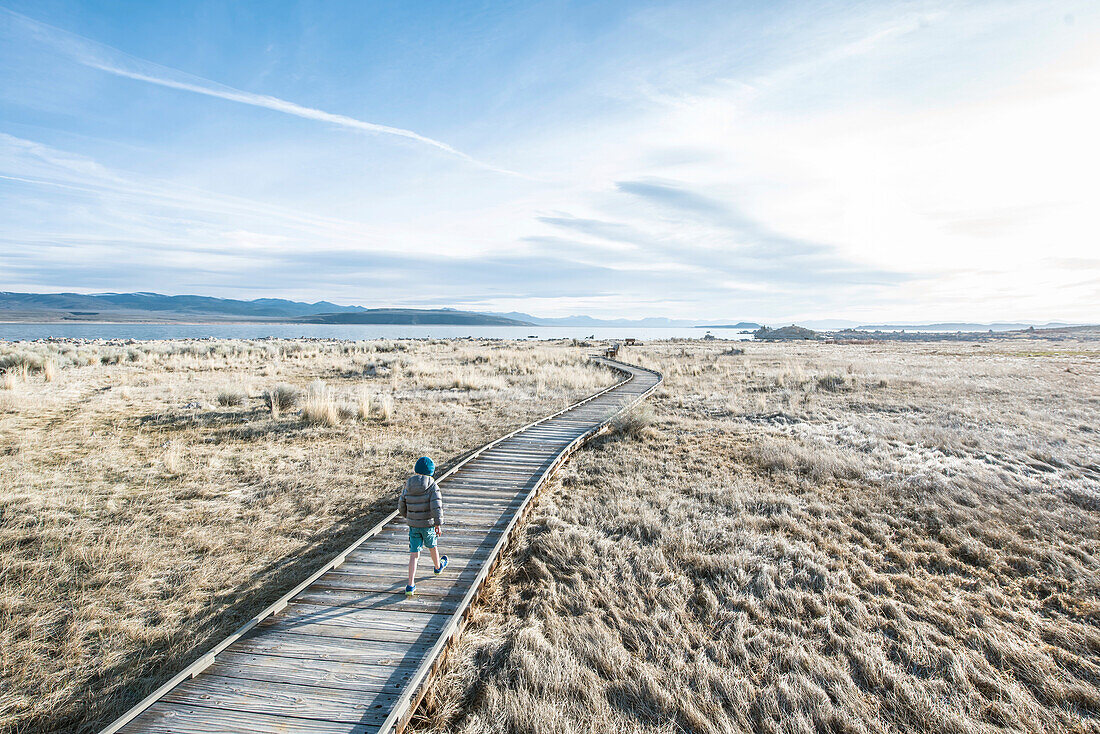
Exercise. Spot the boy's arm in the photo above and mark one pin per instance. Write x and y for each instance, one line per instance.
(402, 508)
(437, 504)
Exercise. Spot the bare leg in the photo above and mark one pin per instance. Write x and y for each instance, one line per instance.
(435, 557)
(412, 567)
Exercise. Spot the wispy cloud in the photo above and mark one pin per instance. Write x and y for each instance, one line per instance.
(753, 237)
(113, 61)
(30, 162)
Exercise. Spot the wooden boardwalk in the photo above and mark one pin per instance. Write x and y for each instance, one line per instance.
(345, 651)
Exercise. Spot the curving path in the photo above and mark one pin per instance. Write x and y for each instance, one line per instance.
(345, 651)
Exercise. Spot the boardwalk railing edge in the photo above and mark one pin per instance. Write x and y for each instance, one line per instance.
(403, 709)
(204, 661)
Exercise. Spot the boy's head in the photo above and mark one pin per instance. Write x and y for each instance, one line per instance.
(425, 466)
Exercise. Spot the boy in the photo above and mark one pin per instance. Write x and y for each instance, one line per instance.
(422, 507)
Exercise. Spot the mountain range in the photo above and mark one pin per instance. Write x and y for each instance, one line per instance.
(131, 307)
(145, 307)
(156, 307)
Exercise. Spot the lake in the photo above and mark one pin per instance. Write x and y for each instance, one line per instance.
(27, 331)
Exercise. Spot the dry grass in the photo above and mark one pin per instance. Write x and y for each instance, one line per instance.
(363, 406)
(145, 511)
(385, 408)
(320, 407)
(809, 538)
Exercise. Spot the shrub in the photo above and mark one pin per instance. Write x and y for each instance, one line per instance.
(832, 383)
(21, 361)
(635, 423)
(282, 397)
(230, 397)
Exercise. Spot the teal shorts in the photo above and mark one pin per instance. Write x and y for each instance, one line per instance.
(421, 538)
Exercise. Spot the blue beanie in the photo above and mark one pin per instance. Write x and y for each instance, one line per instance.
(425, 466)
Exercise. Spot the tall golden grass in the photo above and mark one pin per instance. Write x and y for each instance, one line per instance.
(808, 538)
(150, 501)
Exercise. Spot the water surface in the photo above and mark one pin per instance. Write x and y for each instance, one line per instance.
(82, 330)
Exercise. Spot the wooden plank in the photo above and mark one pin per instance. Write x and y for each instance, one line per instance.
(532, 460)
(453, 534)
(305, 671)
(393, 574)
(481, 480)
(422, 602)
(501, 472)
(551, 430)
(475, 536)
(381, 625)
(507, 450)
(336, 649)
(401, 556)
(461, 501)
(496, 502)
(548, 436)
(380, 574)
(489, 485)
(434, 586)
(508, 465)
(465, 527)
(373, 633)
(506, 473)
(531, 447)
(527, 453)
(472, 517)
(484, 492)
(458, 564)
(298, 613)
(283, 699)
(170, 718)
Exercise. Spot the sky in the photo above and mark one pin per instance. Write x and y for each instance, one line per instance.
(767, 161)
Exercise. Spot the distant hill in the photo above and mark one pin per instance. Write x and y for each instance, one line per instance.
(964, 326)
(411, 316)
(155, 307)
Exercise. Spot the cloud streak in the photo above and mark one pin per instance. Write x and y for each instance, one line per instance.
(211, 89)
(112, 61)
